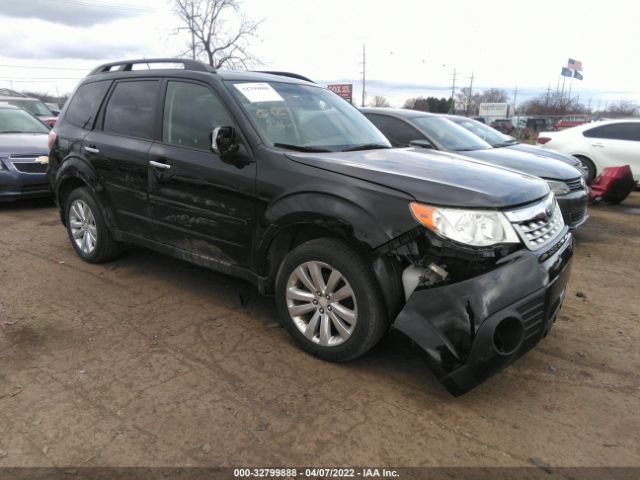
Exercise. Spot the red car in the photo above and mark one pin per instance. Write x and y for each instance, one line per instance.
(568, 122)
(32, 105)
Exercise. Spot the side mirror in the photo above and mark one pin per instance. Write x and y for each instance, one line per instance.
(223, 141)
(422, 144)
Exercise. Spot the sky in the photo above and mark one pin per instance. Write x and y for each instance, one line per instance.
(412, 46)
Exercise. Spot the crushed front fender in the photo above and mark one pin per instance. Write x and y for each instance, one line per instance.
(471, 329)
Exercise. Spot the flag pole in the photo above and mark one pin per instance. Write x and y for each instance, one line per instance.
(569, 96)
(562, 92)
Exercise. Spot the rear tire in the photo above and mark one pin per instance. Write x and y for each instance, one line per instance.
(589, 166)
(329, 300)
(87, 229)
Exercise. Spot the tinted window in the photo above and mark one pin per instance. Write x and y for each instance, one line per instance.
(398, 132)
(130, 108)
(448, 134)
(191, 112)
(616, 131)
(83, 107)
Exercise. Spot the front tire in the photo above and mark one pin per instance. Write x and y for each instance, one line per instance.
(588, 166)
(329, 300)
(87, 229)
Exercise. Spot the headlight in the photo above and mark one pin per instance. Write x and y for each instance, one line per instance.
(479, 228)
(558, 188)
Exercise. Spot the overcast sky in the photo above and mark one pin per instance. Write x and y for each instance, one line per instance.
(412, 45)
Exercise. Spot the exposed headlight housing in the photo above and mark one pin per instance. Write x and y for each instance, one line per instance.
(478, 228)
(558, 188)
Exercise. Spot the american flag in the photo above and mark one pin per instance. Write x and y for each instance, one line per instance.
(574, 65)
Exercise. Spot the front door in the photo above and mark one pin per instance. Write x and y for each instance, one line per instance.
(198, 202)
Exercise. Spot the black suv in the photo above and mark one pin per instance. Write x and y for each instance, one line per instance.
(283, 183)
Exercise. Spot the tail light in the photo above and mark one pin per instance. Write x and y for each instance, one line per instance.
(543, 140)
(52, 139)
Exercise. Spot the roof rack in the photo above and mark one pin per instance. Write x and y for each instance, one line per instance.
(127, 65)
(286, 74)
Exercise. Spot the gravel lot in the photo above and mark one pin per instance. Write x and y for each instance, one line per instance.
(151, 361)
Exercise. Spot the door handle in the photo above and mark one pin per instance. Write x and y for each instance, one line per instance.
(164, 166)
(599, 145)
(91, 150)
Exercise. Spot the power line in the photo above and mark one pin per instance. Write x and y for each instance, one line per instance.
(104, 5)
(45, 68)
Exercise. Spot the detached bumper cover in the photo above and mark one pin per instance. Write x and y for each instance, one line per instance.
(472, 329)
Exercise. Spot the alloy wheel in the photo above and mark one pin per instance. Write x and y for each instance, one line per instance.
(83, 226)
(321, 303)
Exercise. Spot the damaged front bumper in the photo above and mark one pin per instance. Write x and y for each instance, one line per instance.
(473, 328)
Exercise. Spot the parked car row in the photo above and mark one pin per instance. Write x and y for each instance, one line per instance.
(280, 182)
(465, 137)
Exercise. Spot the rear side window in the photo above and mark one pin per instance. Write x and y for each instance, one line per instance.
(616, 131)
(191, 112)
(130, 109)
(84, 105)
(397, 131)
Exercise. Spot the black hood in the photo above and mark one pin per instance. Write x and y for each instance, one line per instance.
(541, 152)
(526, 162)
(23, 144)
(437, 178)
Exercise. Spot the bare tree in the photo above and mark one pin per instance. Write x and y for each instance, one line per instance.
(220, 32)
(379, 101)
(622, 108)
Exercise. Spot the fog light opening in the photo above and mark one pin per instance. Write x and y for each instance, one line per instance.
(508, 335)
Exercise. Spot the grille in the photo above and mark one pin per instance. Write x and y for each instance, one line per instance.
(539, 224)
(577, 216)
(533, 317)
(575, 184)
(30, 167)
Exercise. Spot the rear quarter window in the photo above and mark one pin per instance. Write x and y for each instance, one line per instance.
(84, 105)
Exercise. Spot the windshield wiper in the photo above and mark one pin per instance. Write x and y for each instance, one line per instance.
(301, 148)
(366, 146)
(505, 144)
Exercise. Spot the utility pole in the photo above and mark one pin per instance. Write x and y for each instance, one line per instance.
(470, 94)
(364, 73)
(515, 99)
(193, 38)
(453, 92)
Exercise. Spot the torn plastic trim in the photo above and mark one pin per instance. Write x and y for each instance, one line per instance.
(455, 324)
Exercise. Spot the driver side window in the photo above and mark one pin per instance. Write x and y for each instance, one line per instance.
(191, 112)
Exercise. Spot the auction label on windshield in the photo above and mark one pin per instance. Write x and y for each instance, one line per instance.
(258, 92)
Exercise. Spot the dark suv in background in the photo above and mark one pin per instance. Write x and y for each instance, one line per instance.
(278, 181)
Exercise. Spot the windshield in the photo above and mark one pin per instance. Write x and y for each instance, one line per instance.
(32, 106)
(448, 134)
(19, 121)
(490, 135)
(306, 118)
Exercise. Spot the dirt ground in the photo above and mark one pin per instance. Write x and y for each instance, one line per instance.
(150, 361)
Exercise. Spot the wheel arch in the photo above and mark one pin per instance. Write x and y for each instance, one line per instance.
(76, 173)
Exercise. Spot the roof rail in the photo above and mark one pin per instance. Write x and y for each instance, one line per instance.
(127, 65)
(286, 74)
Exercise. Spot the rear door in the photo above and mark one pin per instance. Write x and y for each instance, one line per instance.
(616, 144)
(198, 202)
(118, 150)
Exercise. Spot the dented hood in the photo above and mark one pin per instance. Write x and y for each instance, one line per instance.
(433, 177)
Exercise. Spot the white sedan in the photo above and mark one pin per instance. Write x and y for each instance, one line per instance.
(599, 145)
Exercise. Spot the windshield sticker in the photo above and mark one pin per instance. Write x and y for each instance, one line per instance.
(258, 92)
